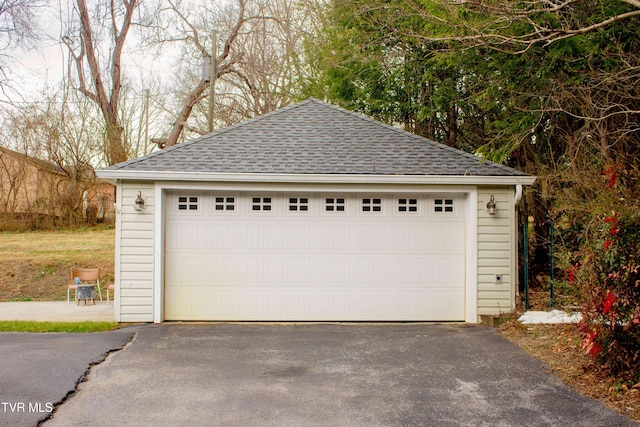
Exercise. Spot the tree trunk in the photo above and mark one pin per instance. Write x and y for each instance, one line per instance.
(453, 126)
(115, 149)
(194, 97)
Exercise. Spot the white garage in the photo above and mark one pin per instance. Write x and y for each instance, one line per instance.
(314, 213)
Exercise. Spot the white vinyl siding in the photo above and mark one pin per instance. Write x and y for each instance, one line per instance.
(496, 240)
(134, 275)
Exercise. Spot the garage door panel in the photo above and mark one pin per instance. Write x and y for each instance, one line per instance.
(296, 270)
(227, 270)
(371, 237)
(332, 270)
(413, 270)
(263, 269)
(184, 268)
(297, 236)
(183, 236)
(333, 237)
(330, 304)
(371, 270)
(446, 270)
(263, 236)
(410, 237)
(220, 235)
(445, 238)
(313, 266)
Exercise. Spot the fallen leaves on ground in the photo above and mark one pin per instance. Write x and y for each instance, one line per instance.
(560, 346)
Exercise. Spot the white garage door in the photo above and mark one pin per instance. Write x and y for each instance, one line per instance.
(314, 257)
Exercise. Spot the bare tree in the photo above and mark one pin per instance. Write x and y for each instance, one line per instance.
(60, 134)
(272, 63)
(17, 26)
(17, 21)
(140, 113)
(258, 67)
(189, 31)
(88, 47)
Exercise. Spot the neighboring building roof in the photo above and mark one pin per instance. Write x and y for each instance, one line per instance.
(312, 137)
(42, 164)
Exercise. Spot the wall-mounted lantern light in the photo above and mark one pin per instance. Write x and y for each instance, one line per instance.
(139, 202)
(491, 206)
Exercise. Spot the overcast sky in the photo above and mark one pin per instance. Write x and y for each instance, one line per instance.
(32, 70)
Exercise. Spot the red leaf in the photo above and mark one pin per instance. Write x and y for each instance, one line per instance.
(607, 306)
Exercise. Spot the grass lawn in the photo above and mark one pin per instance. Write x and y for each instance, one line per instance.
(28, 326)
(35, 266)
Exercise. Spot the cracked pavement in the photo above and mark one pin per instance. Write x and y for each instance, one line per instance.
(326, 375)
(38, 371)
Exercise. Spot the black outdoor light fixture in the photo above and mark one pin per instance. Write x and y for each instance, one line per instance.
(491, 206)
(139, 202)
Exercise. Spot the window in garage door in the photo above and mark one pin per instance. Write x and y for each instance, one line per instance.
(370, 204)
(263, 204)
(408, 205)
(298, 204)
(443, 205)
(224, 203)
(188, 203)
(335, 204)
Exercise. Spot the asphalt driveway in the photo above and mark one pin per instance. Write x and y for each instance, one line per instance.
(37, 371)
(325, 375)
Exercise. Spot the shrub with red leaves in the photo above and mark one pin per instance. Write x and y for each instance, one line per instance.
(609, 274)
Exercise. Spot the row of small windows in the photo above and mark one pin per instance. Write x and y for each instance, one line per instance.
(301, 204)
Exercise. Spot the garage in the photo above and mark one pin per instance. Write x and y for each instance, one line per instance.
(314, 213)
(314, 257)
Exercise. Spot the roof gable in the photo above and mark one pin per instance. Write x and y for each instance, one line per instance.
(313, 137)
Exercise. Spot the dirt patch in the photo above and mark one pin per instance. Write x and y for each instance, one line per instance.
(560, 346)
(36, 266)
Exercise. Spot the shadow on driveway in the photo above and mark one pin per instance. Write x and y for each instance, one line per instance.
(326, 375)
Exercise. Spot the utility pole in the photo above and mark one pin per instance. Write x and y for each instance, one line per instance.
(212, 79)
(146, 121)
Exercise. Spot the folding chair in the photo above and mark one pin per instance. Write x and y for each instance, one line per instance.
(87, 276)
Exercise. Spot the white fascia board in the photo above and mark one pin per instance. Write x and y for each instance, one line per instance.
(158, 263)
(112, 175)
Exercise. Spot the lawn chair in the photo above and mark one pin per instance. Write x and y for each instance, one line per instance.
(111, 288)
(87, 276)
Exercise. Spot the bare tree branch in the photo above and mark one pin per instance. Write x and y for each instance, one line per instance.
(222, 67)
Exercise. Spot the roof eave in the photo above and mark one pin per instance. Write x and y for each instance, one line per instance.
(113, 175)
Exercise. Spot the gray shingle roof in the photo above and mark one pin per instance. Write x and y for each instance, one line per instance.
(313, 137)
